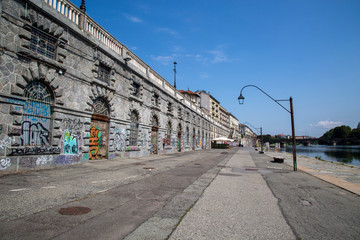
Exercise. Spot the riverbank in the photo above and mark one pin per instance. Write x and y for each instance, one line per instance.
(342, 175)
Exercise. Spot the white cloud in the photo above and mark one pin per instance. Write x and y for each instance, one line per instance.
(327, 124)
(133, 18)
(168, 30)
(165, 60)
(210, 57)
(218, 56)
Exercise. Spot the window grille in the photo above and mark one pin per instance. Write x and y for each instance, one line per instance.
(136, 89)
(134, 126)
(100, 107)
(156, 100)
(104, 73)
(42, 43)
(36, 118)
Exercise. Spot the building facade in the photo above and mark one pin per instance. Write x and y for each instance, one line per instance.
(70, 92)
(247, 137)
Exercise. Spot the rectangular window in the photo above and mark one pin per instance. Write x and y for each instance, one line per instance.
(104, 73)
(156, 100)
(42, 43)
(136, 89)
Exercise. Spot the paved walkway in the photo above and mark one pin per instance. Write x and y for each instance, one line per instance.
(341, 175)
(238, 204)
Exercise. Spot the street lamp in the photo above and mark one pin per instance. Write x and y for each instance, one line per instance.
(241, 101)
(175, 74)
(257, 129)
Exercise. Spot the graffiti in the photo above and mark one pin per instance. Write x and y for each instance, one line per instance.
(5, 163)
(70, 143)
(67, 159)
(28, 162)
(6, 142)
(120, 140)
(95, 142)
(85, 157)
(72, 124)
(44, 160)
(112, 156)
(36, 111)
(132, 148)
(34, 150)
(173, 142)
(144, 140)
(17, 102)
(34, 134)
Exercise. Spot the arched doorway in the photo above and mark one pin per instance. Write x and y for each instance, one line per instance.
(193, 140)
(154, 134)
(99, 130)
(179, 138)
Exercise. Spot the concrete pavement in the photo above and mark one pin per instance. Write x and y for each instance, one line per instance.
(342, 175)
(238, 204)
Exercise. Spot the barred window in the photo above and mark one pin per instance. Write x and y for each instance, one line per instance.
(156, 100)
(168, 130)
(104, 73)
(136, 89)
(36, 119)
(42, 43)
(169, 107)
(134, 126)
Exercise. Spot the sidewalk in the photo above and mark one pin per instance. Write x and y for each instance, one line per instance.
(238, 204)
(342, 175)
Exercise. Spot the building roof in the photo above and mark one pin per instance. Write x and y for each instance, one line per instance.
(189, 92)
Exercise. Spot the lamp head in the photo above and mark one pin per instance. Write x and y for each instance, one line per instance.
(241, 99)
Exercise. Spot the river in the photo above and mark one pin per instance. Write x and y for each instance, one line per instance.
(342, 154)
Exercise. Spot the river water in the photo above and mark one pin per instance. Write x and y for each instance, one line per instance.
(342, 154)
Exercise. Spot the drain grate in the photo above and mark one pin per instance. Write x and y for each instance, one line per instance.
(223, 153)
(74, 210)
(140, 164)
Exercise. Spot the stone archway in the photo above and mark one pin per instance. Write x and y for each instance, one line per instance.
(154, 134)
(179, 138)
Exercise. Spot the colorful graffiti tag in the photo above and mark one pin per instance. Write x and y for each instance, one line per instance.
(95, 142)
(70, 143)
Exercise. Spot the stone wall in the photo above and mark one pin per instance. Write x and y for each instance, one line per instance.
(67, 98)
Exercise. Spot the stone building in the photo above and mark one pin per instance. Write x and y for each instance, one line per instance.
(247, 137)
(234, 128)
(70, 92)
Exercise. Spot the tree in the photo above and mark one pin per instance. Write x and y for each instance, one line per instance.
(328, 135)
(355, 134)
(342, 132)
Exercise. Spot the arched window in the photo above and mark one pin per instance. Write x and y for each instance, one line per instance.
(134, 127)
(36, 120)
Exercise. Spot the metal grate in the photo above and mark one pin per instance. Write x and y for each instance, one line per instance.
(42, 43)
(36, 118)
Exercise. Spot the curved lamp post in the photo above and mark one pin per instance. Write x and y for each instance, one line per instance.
(241, 101)
(257, 129)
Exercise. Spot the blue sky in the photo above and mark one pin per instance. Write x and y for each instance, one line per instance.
(307, 49)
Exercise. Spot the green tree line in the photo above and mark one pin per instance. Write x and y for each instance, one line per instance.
(345, 134)
(342, 132)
